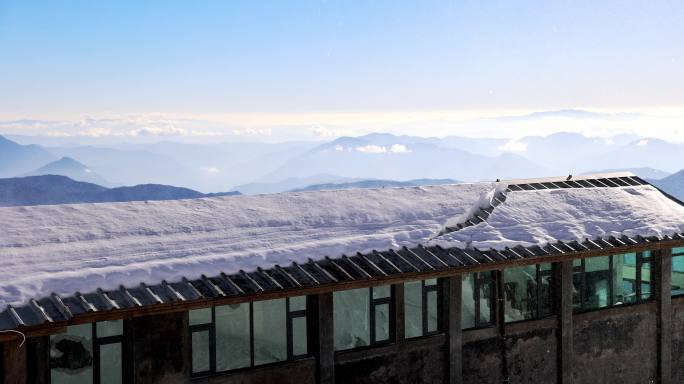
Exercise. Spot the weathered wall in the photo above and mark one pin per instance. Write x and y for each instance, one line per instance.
(616, 345)
(482, 362)
(297, 372)
(160, 345)
(14, 363)
(531, 352)
(678, 340)
(413, 361)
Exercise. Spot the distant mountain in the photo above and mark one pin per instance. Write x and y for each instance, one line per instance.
(375, 184)
(673, 184)
(292, 183)
(644, 173)
(384, 156)
(645, 152)
(55, 189)
(66, 166)
(16, 159)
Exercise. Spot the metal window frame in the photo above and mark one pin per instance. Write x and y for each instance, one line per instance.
(481, 280)
(389, 300)
(641, 260)
(211, 328)
(425, 313)
(97, 342)
(539, 303)
(673, 258)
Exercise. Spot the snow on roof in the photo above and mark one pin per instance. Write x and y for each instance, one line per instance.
(536, 217)
(81, 247)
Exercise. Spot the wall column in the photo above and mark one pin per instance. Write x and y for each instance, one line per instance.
(565, 327)
(325, 345)
(451, 315)
(399, 326)
(663, 298)
(14, 359)
(38, 355)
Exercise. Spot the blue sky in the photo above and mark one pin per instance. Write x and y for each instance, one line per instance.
(320, 62)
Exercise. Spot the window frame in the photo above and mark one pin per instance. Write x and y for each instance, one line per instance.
(424, 310)
(372, 313)
(211, 328)
(539, 289)
(640, 260)
(676, 254)
(482, 279)
(97, 342)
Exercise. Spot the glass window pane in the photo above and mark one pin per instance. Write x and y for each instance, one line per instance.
(678, 275)
(467, 301)
(520, 285)
(297, 303)
(71, 355)
(678, 251)
(624, 279)
(486, 295)
(381, 292)
(432, 312)
(351, 318)
(413, 309)
(546, 278)
(270, 332)
(430, 282)
(109, 328)
(597, 277)
(382, 322)
(646, 280)
(200, 351)
(299, 337)
(110, 364)
(232, 336)
(200, 316)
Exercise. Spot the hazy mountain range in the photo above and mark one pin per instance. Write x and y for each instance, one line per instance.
(54, 189)
(276, 167)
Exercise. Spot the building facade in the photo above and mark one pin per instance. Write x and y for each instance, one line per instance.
(603, 310)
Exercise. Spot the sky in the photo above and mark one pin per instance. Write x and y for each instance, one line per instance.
(305, 69)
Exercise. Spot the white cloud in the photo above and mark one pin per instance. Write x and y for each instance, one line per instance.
(513, 146)
(642, 143)
(339, 148)
(399, 148)
(371, 149)
(211, 170)
(253, 132)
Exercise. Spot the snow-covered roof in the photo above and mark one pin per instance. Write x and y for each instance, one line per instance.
(82, 247)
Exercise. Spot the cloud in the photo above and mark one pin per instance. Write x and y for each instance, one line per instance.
(211, 170)
(371, 149)
(513, 146)
(376, 149)
(642, 143)
(253, 132)
(399, 148)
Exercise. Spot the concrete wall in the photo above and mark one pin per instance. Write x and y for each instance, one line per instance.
(531, 352)
(678, 340)
(296, 372)
(161, 348)
(412, 361)
(616, 345)
(482, 360)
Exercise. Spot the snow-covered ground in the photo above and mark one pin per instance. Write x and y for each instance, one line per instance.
(82, 247)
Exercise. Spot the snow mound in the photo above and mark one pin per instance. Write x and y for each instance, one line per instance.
(539, 217)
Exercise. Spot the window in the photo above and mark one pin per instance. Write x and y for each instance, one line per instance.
(528, 292)
(600, 282)
(235, 336)
(361, 317)
(88, 353)
(421, 308)
(678, 271)
(477, 296)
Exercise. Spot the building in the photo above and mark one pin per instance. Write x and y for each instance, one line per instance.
(527, 281)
